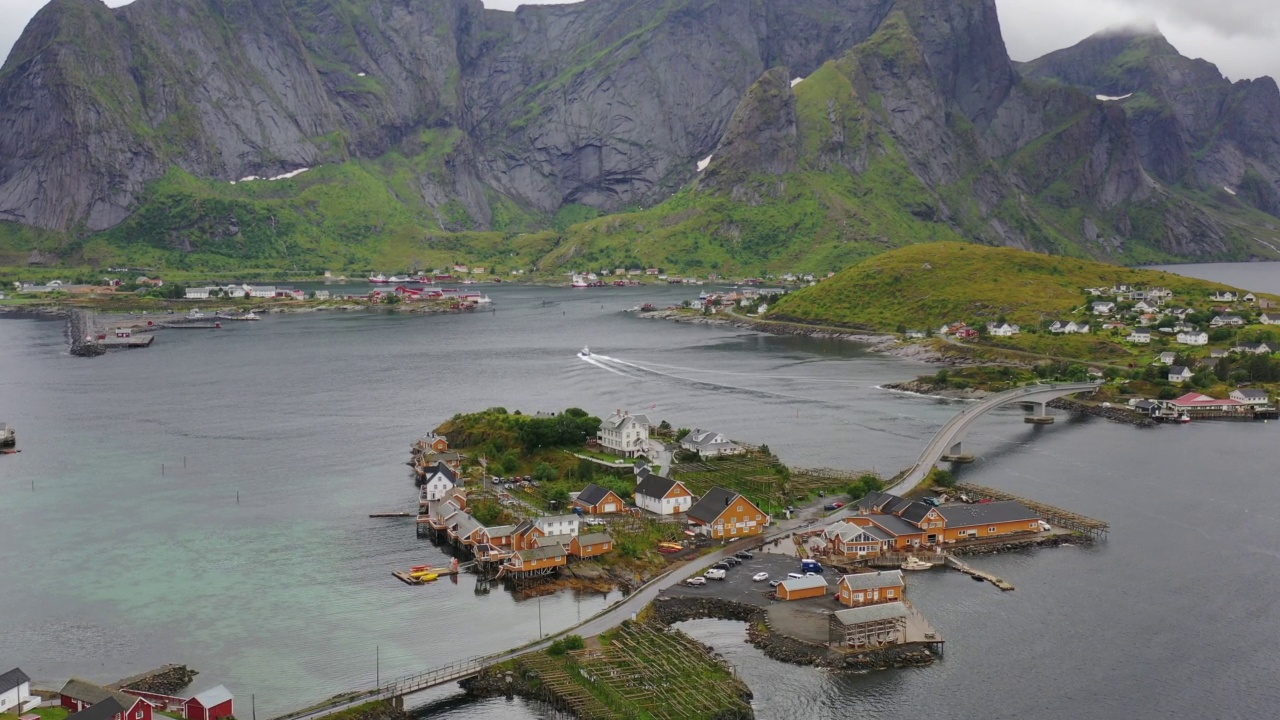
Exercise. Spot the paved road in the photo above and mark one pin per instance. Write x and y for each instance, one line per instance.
(956, 427)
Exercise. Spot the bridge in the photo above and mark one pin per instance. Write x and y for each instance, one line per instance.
(946, 444)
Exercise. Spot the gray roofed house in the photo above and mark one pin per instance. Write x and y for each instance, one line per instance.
(592, 494)
(102, 710)
(92, 693)
(708, 443)
(594, 538)
(875, 500)
(871, 613)
(896, 506)
(542, 552)
(873, 580)
(915, 512)
(499, 531)
(12, 679)
(1001, 511)
(464, 526)
(654, 485)
(875, 532)
(1251, 396)
(712, 504)
(894, 524)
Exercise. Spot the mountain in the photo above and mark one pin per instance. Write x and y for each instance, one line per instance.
(438, 130)
(1194, 128)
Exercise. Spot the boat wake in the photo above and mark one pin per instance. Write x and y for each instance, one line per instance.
(593, 360)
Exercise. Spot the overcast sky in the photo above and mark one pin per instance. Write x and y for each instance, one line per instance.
(1241, 36)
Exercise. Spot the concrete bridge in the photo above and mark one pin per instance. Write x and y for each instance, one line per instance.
(946, 444)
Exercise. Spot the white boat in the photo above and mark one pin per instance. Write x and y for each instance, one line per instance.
(915, 563)
(586, 352)
(578, 282)
(251, 315)
(195, 314)
(1184, 418)
(378, 279)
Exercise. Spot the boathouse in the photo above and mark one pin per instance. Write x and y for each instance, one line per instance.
(723, 513)
(212, 704)
(870, 588)
(77, 694)
(869, 625)
(660, 495)
(810, 586)
(597, 500)
(590, 545)
(539, 560)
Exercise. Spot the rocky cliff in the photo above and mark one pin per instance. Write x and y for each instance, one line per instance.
(440, 117)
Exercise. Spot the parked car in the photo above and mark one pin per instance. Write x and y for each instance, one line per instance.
(714, 574)
(744, 555)
(1044, 526)
(760, 577)
(697, 580)
(722, 566)
(774, 583)
(793, 576)
(733, 561)
(811, 566)
(833, 506)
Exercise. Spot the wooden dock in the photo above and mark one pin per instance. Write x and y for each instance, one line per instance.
(1052, 515)
(980, 574)
(136, 341)
(454, 568)
(390, 514)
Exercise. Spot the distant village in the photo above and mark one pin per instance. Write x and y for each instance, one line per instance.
(143, 696)
(1228, 339)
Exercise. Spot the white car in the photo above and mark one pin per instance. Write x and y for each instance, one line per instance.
(760, 577)
(714, 574)
(794, 575)
(696, 580)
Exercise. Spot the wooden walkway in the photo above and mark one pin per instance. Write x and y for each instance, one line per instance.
(1053, 515)
(963, 567)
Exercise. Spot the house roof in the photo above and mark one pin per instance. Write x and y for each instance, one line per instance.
(542, 552)
(619, 418)
(985, 513)
(915, 512)
(712, 505)
(442, 468)
(12, 679)
(1252, 393)
(870, 613)
(807, 582)
(894, 524)
(654, 486)
(846, 531)
(896, 505)
(92, 693)
(1178, 370)
(465, 525)
(594, 538)
(873, 580)
(875, 500)
(1193, 399)
(101, 710)
(593, 494)
(213, 696)
(499, 531)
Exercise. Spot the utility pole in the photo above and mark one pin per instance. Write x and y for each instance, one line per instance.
(539, 617)
(377, 666)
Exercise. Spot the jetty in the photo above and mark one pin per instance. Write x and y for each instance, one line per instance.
(1053, 515)
(390, 515)
(954, 562)
(415, 575)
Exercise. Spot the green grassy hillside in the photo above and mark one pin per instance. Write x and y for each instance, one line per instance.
(924, 286)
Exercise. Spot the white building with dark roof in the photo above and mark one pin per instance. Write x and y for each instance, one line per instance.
(624, 434)
(708, 443)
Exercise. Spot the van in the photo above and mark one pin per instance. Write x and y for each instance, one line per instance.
(714, 574)
(810, 566)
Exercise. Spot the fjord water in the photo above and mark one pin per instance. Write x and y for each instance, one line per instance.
(286, 594)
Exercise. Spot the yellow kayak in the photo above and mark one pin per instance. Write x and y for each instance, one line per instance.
(424, 576)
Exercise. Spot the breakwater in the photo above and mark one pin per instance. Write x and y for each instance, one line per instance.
(80, 334)
(1114, 414)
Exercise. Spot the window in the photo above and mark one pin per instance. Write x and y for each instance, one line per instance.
(991, 529)
(891, 592)
(138, 715)
(739, 508)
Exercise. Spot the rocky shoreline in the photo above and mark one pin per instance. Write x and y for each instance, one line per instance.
(1114, 414)
(1017, 545)
(931, 389)
(878, 343)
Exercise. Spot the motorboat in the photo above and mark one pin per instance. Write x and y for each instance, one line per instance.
(378, 279)
(586, 352)
(915, 563)
(1184, 418)
(578, 282)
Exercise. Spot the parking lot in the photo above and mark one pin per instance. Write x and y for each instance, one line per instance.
(738, 585)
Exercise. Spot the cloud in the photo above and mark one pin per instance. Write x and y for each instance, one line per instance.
(1242, 37)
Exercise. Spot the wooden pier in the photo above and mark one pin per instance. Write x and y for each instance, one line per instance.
(390, 514)
(999, 582)
(453, 568)
(118, 343)
(1052, 515)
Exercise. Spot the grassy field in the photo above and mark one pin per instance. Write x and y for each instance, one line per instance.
(924, 286)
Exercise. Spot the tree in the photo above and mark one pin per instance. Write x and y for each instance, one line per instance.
(681, 433)
(543, 472)
(942, 478)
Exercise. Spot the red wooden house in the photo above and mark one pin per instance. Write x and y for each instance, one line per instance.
(212, 704)
(78, 694)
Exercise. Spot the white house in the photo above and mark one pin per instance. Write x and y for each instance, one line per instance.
(1002, 329)
(1251, 396)
(918, 334)
(1250, 297)
(1068, 327)
(662, 496)
(1179, 374)
(1193, 338)
(1226, 296)
(709, 444)
(1269, 319)
(262, 291)
(439, 481)
(201, 293)
(1141, 336)
(321, 294)
(1104, 308)
(558, 524)
(624, 434)
(1258, 348)
(1145, 307)
(1222, 320)
(1166, 358)
(15, 692)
